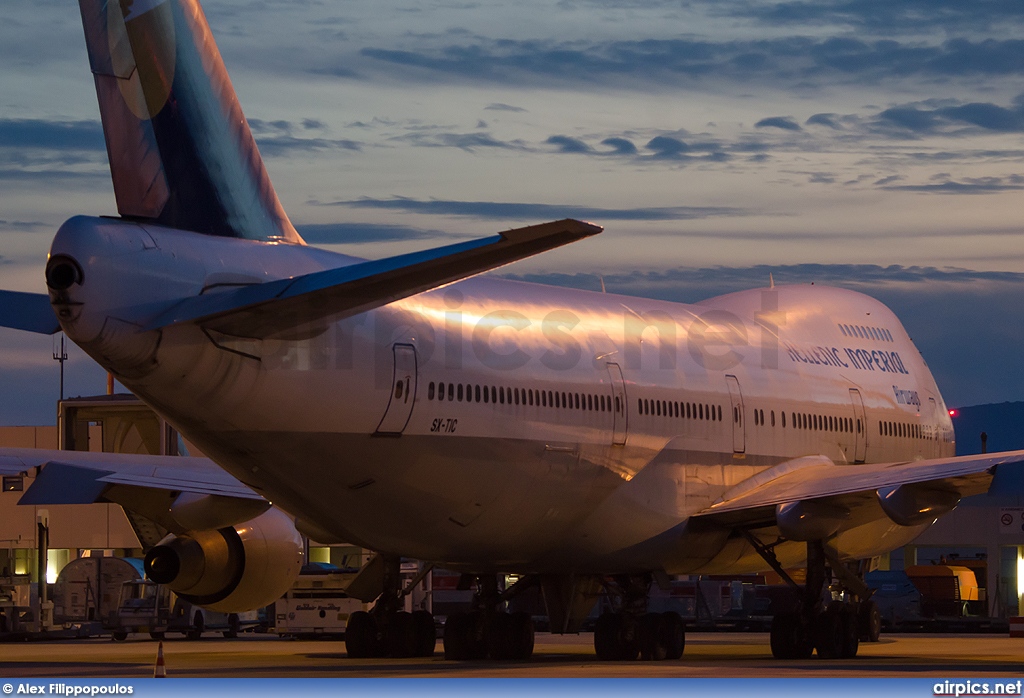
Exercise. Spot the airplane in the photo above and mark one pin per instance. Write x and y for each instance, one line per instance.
(589, 443)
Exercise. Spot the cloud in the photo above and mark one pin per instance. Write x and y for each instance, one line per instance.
(959, 119)
(620, 146)
(783, 122)
(883, 16)
(794, 61)
(566, 144)
(278, 138)
(534, 212)
(359, 233)
(969, 185)
(498, 106)
(463, 141)
(51, 135)
(22, 225)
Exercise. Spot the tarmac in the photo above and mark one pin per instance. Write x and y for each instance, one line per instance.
(722, 654)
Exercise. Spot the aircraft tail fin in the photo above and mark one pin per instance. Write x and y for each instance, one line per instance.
(181, 152)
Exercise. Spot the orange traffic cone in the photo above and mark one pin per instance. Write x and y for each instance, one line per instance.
(160, 671)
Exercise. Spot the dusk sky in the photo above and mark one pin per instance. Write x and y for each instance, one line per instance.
(872, 144)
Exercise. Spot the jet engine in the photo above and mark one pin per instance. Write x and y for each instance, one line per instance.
(231, 569)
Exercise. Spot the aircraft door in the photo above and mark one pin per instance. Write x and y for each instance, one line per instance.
(403, 391)
(620, 411)
(739, 437)
(860, 427)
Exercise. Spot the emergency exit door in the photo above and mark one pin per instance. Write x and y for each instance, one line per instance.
(403, 391)
(860, 427)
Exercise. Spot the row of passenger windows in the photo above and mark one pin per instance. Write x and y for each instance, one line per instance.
(682, 410)
(465, 392)
(864, 332)
(814, 422)
(906, 431)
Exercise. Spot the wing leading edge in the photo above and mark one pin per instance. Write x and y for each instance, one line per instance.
(816, 480)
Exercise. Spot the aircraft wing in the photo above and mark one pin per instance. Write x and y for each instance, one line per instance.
(153, 487)
(30, 312)
(755, 501)
(266, 309)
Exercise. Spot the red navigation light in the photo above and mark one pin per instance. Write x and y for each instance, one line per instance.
(953, 413)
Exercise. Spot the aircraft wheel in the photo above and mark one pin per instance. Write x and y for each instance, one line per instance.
(521, 628)
(615, 637)
(790, 638)
(850, 631)
(157, 634)
(401, 635)
(426, 635)
(119, 636)
(198, 626)
(233, 627)
(673, 634)
(361, 636)
(870, 621)
(499, 637)
(652, 646)
(460, 638)
(829, 632)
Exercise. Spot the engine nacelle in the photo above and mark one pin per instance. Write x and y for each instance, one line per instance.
(232, 569)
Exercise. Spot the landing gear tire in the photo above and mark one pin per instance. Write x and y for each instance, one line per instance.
(119, 636)
(198, 626)
(615, 638)
(790, 637)
(869, 620)
(401, 636)
(837, 634)
(652, 645)
(233, 627)
(461, 639)
(426, 635)
(673, 633)
(361, 636)
(510, 636)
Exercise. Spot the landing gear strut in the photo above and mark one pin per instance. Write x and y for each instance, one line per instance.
(631, 631)
(488, 631)
(388, 630)
(834, 629)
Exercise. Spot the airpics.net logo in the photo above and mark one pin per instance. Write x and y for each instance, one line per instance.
(977, 688)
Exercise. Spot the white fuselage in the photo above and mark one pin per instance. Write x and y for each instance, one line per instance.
(499, 425)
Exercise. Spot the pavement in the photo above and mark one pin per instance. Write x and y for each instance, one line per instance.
(722, 654)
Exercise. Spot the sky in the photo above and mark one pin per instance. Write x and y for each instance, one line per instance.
(871, 144)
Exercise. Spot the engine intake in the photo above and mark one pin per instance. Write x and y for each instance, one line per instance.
(232, 569)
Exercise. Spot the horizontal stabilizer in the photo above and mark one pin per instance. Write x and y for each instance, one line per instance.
(30, 312)
(278, 306)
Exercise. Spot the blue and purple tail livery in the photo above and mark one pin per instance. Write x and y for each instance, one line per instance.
(181, 152)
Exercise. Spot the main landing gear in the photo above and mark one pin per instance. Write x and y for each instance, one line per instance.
(488, 631)
(834, 629)
(632, 632)
(387, 630)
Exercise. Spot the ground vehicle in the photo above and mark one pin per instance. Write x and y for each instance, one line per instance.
(147, 607)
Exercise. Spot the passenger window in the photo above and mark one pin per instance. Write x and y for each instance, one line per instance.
(459, 393)
(430, 391)
(440, 391)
